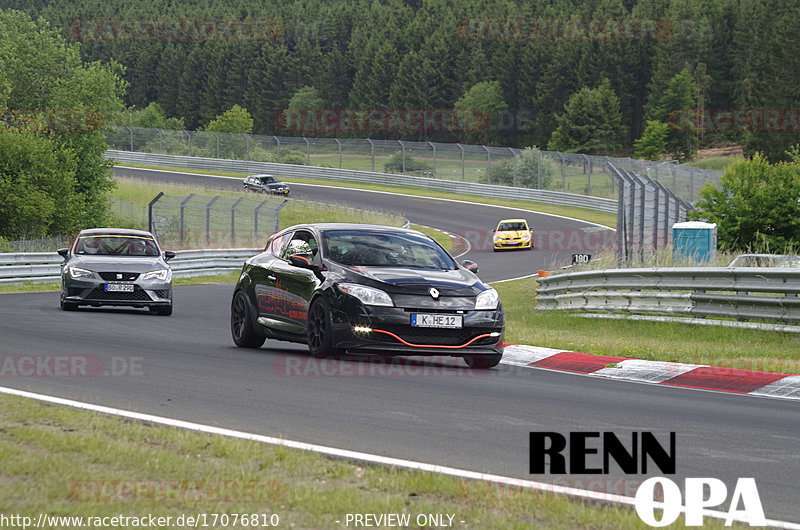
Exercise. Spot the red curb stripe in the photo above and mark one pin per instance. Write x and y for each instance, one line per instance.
(725, 379)
(581, 363)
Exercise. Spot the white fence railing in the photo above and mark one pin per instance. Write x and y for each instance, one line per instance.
(39, 267)
(741, 293)
(288, 171)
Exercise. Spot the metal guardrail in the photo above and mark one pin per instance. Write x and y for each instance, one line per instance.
(288, 171)
(743, 293)
(39, 267)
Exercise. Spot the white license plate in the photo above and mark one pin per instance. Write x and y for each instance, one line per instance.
(119, 287)
(422, 320)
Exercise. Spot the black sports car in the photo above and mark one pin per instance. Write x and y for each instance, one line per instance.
(366, 289)
(265, 184)
(118, 267)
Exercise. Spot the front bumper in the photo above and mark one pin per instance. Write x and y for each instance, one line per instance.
(513, 243)
(388, 330)
(90, 291)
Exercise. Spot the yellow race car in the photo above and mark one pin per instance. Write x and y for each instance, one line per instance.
(512, 233)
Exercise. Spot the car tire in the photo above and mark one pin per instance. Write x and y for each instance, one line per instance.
(483, 362)
(319, 330)
(162, 310)
(242, 330)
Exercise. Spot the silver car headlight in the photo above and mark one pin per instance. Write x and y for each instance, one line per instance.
(163, 275)
(526, 236)
(367, 295)
(487, 300)
(75, 273)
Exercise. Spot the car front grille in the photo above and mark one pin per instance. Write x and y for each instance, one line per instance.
(435, 336)
(119, 276)
(138, 294)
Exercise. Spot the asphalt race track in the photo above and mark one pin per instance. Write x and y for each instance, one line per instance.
(186, 367)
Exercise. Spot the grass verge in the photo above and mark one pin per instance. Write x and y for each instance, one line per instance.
(655, 341)
(61, 461)
(606, 219)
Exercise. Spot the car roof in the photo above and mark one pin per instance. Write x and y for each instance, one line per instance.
(115, 231)
(513, 221)
(264, 175)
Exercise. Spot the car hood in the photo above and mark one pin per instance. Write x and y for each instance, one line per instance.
(118, 263)
(512, 234)
(400, 280)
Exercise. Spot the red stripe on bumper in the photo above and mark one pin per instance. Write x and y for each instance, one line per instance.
(431, 345)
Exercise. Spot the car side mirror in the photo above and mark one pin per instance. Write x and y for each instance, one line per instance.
(470, 266)
(301, 260)
(63, 252)
(169, 254)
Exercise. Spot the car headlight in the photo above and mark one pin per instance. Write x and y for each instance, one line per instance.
(488, 299)
(367, 295)
(497, 238)
(75, 273)
(163, 275)
(526, 236)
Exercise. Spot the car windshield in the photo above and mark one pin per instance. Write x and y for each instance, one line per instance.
(116, 245)
(268, 180)
(385, 249)
(507, 227)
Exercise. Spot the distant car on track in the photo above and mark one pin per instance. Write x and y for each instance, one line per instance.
(366, 289)
(116, 267)
(265, 184)
(512, 233)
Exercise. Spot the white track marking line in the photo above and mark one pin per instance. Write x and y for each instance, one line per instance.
(366, 457)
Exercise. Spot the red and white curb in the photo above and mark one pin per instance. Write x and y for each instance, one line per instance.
(699, 376)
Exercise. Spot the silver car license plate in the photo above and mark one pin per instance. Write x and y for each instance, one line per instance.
(119, 287)
(426, 320)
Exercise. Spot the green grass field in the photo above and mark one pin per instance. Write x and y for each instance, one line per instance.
(61, 461)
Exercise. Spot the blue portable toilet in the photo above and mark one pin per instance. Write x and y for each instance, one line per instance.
(695, 240)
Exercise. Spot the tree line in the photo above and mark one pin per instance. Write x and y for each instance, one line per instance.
(587, 76)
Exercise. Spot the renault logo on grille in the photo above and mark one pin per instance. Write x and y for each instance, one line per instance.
(434, 292)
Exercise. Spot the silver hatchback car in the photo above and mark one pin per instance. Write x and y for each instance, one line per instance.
(116, 267)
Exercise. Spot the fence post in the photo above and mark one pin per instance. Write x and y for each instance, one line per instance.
(513, 154)
(183, 205)
(208, 218)
(462, 160)
(563, 171)
(372, 153)
(131, 132)
(255, 220)
(308, 151)
(588, 164)
(539, 168)
(340, 152)
(161, 140)
(188, 143)
(233, 221)
(150, 212)
(247, 137)
(278, 142)
(488, 165)
(404, 154)
(434, 157)
(278, 214)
